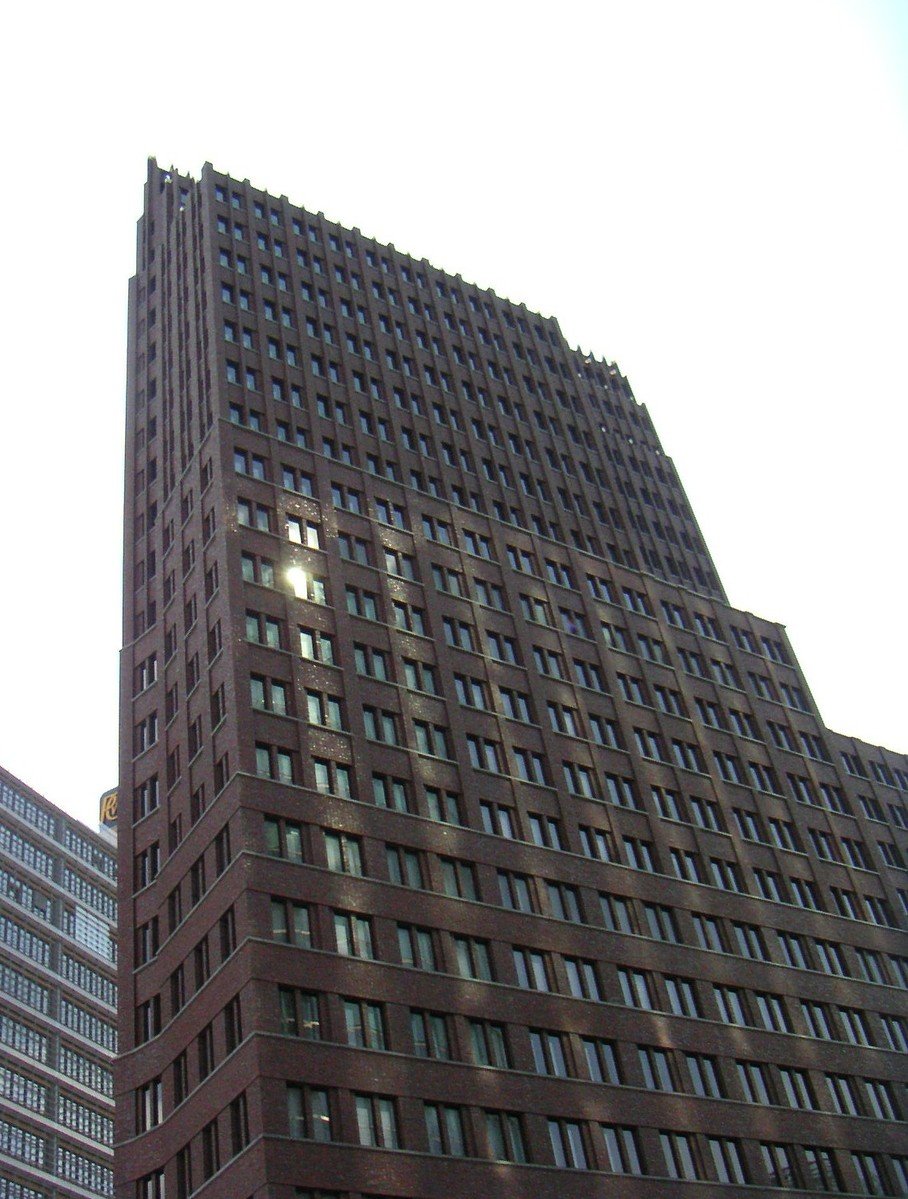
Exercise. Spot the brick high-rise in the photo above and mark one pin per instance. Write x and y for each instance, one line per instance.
(476, 843)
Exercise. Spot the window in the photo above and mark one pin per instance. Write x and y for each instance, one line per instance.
(290, 922)
(615, 636)
(404, 867)
(420, 676)
(376, 1121)
(623, 1149)
(490, 594)
(504, 1134)
(564, 719)
(354, 549)
(416, 946)
(679, 1152)
(660, 922)
(816, 1017)
(649, 745)
(531, 969)
(380, 725)
(431, 739)
(617, 913)
(308, 1113)
(430, 1034)
(636, 989)
(400, 564)
(530, 766)
(748, 939)
(854, 1024)
(601, 1060)
(210, 1150)
(709, 932)
(705, 1077)
(793, 950)
(362, 603)
(443, 806)
(564, 901)
(503, 648)
(535, 610)
(458, 633)
(797, 1089)
(515, 704)
(344, 497)
(409, 617)
(364, 1023)
(514, 890)
(370, 661)
(640, 854)
(755, 1080)
(621, 791)
(706, 813)
(150, 1186)
(568, 1149)
(597, 843)
(588, 675)
(728, 1162)
(344, 853)
(583, 982)
(497, 819)
(299, 1013)
(205, 1048)
(477, 544)
(149, 1105)
(871, 965)
(580, 780)
(445, 1130)
(780, 1165)
(548, 1052)
(489, 1044)
(669, 700)
(391, 514)
(263, 629)
(324, 709)
(391, 793)
(682, 996)
(691, 662)
(273, 762)
(822, 1169)
(472, 693)
(353, 935)
(315, 645)
(769, 883)
(730, 1001)
(881, 1100)
(656, 1067)
(472, 958)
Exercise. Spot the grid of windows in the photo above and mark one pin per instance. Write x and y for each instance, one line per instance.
(55, 952)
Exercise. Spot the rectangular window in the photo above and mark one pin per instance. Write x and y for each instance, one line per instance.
(376, 1121)
(299, 1013)
(445, 1130)
(568, 1147)
(430, 1034)
(308, 1113)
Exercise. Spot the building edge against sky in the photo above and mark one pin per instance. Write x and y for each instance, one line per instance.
(57, 1000)
(414, 600)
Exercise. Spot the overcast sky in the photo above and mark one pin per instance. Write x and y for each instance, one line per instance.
(714, 195)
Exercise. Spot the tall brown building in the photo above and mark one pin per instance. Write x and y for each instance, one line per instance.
(471, 842)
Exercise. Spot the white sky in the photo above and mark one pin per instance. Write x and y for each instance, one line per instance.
(714, 195)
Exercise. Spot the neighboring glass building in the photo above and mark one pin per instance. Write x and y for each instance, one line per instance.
(58, 998)
(470, 842)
